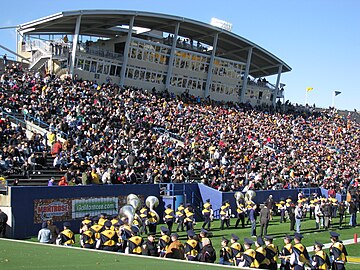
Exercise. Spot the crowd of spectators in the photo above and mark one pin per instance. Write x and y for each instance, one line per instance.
(113, 136)
(19, 153)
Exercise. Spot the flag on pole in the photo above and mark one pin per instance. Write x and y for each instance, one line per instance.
(337, 93)
(308, 89)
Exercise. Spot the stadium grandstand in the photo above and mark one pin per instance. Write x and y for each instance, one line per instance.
(116, 122)
(151, 50)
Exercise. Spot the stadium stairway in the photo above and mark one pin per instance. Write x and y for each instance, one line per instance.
(39, 177)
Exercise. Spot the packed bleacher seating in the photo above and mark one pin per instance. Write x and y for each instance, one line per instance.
(128, 135)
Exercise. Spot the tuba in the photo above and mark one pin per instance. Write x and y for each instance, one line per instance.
(238, 196)
(249, 196)
(153, 202)
(134, 200)
(128, 211)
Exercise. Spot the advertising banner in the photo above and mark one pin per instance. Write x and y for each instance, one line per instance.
(94, 206)
(55, 209)
(77, 208)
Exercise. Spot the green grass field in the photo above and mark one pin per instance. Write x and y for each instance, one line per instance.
(14, 255)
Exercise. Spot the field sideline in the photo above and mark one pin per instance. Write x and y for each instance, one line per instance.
(17, 254)
(23, 255)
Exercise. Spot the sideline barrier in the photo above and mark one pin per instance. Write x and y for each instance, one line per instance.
(30, 206)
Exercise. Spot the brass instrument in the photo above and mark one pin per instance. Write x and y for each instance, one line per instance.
(249, 196)
(134, 200)
(153, 202)
(128, 211)
(238, 196)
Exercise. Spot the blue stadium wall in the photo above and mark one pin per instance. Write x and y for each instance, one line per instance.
(23, 201)
(28, 202)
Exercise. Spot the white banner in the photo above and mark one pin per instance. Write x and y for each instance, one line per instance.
(94, 206)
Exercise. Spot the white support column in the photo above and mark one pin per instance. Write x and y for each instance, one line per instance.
(74, 45)
(246, 74)
(126, 52)
(211, 64)
(277, 85)
(17, 43)
(172, 56)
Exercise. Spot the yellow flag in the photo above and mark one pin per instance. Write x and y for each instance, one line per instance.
(309, 89)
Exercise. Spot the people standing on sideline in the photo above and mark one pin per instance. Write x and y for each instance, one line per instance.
(108, 238)
(149, 247)
(54, 231)
(240, 211)
(44, 235)
(270, 204)
(236, 249)
(143, 215)
(291, 211)
(319, 216)
(202, 236)
(225, 252)
(338, 252)
(151, 222)
(285, 253)
(320, 260)
(352, 211)
(189, 220)
(3, 220)
(299, 256)
(249, 254)
(180, 216)
(207, 214)
(164, 241)
(87, 237)
(341, 211)
(176, 249)
(135, 242)
(169, 217)
(207, 252)
(252, 218)
(261, 260)
(327, 214)
(264, 220)
(225, 213)
(192, 247)
(298, 217)
(66, 237)
(271, 252)
(282, 209)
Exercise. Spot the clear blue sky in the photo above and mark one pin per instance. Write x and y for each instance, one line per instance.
(319, 39)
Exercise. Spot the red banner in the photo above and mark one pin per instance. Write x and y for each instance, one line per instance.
(55, 209)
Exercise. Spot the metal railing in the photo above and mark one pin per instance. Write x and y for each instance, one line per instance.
(34, 120)
(36, 57)
(38, 44)
(100, 52)
(37, 121)
(13, 118)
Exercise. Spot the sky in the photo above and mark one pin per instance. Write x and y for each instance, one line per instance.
(318, 39)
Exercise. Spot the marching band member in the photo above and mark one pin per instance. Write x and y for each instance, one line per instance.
(338, 252)
(320, 260)
(207, 214)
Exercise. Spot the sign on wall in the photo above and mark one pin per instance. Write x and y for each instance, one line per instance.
(55, 209)
(73, 208)
(94, 206)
